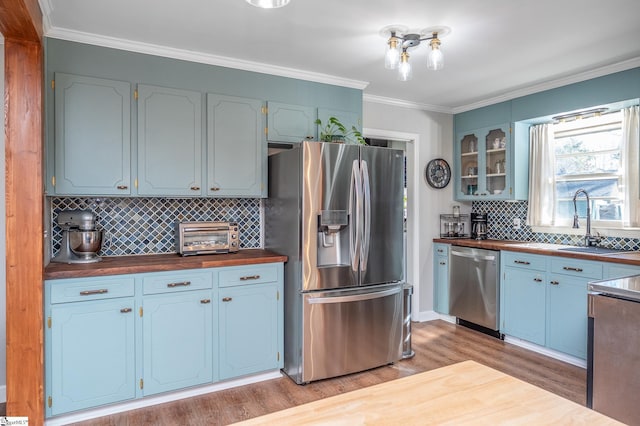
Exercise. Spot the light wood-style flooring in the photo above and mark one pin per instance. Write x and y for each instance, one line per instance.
(436, 344)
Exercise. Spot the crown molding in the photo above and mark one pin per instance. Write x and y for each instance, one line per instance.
(406, 104)
(553, 84)
(204, 58)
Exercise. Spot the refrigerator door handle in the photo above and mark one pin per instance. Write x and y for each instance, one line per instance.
(354, 297)
(354, 226)
(366, 232)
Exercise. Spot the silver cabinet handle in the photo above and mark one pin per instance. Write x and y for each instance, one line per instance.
(122, 187)
(522, 262)
(538, 280)
(179, 284)
(205, 301)
(443, 263)
(250, 277)
(569, 268)
(195, 188)
(227, 299)
(125, 310)
(214, 188)
(554, 282)
(440, 251)
(92, 292)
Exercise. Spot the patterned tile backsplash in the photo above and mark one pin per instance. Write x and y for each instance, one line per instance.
(146, 225)
(500, 226)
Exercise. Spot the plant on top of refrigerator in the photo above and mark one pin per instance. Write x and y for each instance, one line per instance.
(335, 131)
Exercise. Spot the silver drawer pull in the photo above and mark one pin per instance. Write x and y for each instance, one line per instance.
(92, 292)
(440, 251)
(125, 310)
(538, 280)
(522, 262)
(195, 188)
(122, 187)
(250, 277)
(205, 301)
(443, 263)
(569, 268)
(227, 299)
(554, 282)
(179, 284)
(214, 188)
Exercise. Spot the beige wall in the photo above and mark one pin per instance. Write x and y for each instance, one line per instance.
(435, 137)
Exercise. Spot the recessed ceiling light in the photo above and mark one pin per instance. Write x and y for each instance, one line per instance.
(268, 4)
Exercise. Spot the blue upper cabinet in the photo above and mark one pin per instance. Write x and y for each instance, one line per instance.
(290, 123)
(236, 156)
(169, 141)
(92, 146)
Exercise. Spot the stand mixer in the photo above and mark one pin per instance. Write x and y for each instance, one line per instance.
(81, 241)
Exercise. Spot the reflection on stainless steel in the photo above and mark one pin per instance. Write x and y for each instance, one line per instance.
(613, 360)
(474, 286)
(336, 211)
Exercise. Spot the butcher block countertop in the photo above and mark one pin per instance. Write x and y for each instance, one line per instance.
(629, 258)
(466, 393)
(116, 265)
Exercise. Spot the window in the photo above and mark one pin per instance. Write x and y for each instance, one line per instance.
(588, 156)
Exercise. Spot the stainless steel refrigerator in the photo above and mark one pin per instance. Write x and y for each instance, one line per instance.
(336, 210)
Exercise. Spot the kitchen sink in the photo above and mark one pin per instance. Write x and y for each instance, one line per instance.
(593, 250)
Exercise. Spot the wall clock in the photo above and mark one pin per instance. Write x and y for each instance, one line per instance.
(438, 173)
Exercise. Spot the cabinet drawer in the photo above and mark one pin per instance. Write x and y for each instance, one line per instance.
(248, 275)
(81, 289)
(523, 260)
(176, 281)
(441, 249)
(577, 268)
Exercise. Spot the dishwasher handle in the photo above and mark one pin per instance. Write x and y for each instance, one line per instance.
(473, 256)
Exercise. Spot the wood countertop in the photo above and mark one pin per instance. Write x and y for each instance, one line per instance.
(466, 393)
(629, 258)
(116, 265)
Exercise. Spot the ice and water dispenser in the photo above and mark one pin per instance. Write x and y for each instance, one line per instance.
(333, 238)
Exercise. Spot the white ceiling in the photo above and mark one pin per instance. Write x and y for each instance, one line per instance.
(497, 49)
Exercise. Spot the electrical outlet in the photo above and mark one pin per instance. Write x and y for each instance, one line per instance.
(516, 223)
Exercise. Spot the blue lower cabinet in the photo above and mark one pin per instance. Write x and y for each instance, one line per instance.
(523, 304)
(177, 341)
(91, 354)
(441, 278)
(567, 315)
(249, 335)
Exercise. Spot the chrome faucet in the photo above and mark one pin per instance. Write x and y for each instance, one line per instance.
(589, 240)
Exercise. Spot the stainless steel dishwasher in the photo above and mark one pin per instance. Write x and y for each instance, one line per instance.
(474, 289)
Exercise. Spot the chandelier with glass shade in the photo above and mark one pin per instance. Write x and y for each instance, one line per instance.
(400, 40)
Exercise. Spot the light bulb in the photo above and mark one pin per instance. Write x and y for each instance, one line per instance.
(404, 70)
(435, 60)
(392, 56)
(268, 4)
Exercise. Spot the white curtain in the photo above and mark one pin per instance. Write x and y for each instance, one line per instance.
(541, 176)
(630, 156)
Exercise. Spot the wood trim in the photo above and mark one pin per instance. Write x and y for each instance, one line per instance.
(21, 26)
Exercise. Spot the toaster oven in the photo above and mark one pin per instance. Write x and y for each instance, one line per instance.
(206, 237)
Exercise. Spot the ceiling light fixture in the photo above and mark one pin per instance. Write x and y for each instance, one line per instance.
(399, 40)
(268, 4)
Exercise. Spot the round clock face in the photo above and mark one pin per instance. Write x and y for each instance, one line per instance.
(438, 173)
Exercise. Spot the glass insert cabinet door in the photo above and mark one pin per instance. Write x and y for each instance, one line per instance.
(484, 166)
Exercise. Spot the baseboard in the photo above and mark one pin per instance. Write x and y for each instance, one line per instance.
(425, 316)
(569, 359)
(159, 399)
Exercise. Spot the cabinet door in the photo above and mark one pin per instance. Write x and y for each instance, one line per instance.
(290, 123)
(249, 338)
(484, 167)
(92, 146)
(169, 141)
(567, 315)
(177, 340)
(441, 279)
(236, 157)
(92, 351)
(523, 304)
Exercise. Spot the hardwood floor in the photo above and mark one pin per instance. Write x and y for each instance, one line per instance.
(436, 343)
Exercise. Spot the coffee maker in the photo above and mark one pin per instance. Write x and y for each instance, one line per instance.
(81, 241)
(479, 226)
